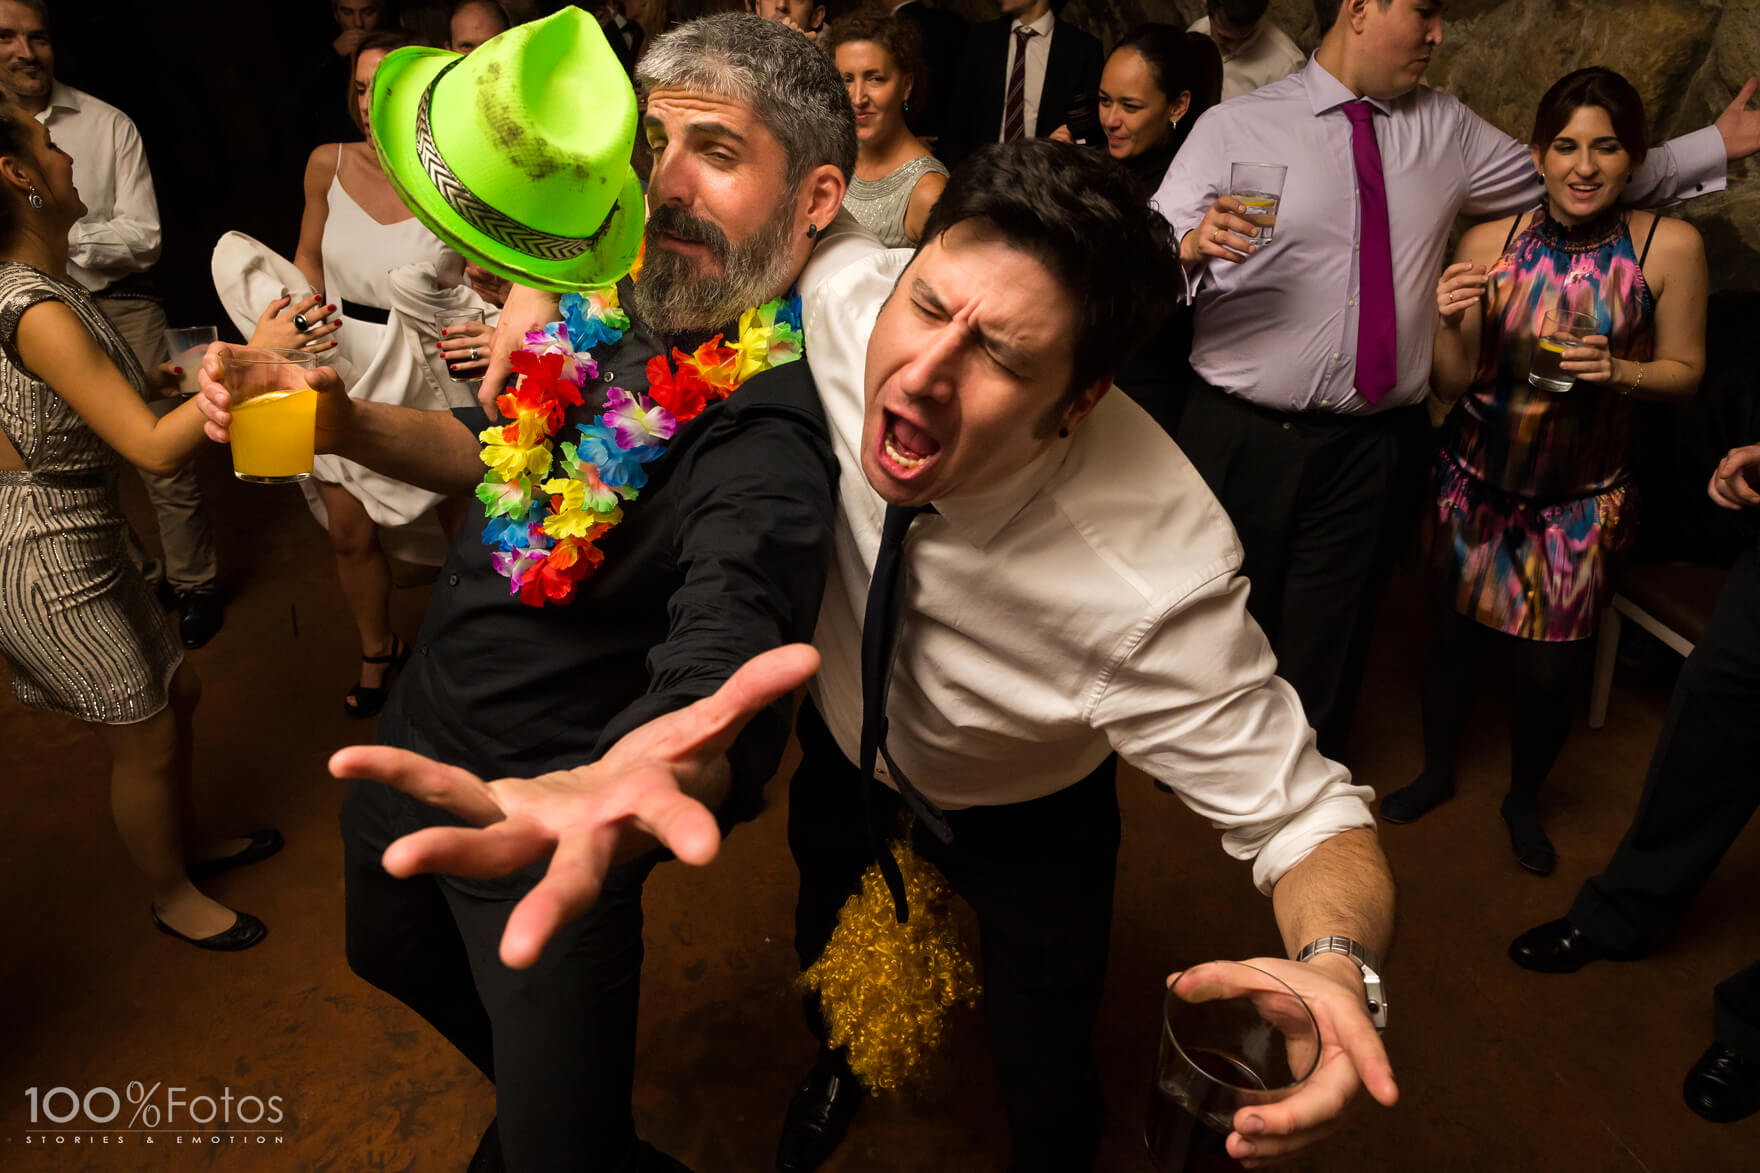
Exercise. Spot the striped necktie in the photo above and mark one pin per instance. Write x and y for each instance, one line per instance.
(1015, 109)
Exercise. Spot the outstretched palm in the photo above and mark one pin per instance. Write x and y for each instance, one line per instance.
(650, 786)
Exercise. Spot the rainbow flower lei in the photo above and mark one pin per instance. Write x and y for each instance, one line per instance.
(546, 510)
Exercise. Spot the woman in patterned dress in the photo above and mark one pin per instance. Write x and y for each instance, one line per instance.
(1533, 498)
(79, 627)
(896, 180)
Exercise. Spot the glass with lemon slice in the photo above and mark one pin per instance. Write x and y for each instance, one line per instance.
(274, 414)
(1258, 188)
(1560, 330)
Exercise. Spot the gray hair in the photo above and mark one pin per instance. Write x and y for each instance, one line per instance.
(794, 89)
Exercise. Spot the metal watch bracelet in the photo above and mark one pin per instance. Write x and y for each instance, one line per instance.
(1373, 989)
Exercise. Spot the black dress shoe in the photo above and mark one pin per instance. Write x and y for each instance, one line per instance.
(199, 615)
(1412, 802)
(1560, 947)
(246, 931)
(262, 845)
(818, 1116)
(1723, 1086)
(487, 1158)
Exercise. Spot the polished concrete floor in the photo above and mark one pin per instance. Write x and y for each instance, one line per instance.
(1500, 1069)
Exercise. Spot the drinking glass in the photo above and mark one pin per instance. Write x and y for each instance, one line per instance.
(1560, 330)
(1232, 1037)
(274, 414)
(187, 346)
(1259, 189)
(457, 318)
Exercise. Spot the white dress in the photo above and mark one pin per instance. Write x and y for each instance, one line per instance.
(360, 254)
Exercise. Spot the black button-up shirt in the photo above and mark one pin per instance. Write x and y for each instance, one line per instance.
(722, 556)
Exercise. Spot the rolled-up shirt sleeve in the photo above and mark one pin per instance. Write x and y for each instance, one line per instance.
(1194, 700)
(1190, 187)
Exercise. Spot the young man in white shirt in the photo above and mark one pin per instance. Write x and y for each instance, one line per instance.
(1255, 52)
(1074, 596)
(110, 252)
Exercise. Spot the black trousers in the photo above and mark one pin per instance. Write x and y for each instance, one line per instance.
(1040, 877)
(1321, 503)
(558, 1039)
(1703, 786)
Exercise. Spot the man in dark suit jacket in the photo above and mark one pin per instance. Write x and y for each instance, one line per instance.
(944, 42)
(1070, 71)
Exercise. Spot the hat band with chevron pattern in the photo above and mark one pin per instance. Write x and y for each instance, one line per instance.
(471, 208)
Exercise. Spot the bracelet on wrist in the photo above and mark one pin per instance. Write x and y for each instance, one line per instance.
(1638, 382)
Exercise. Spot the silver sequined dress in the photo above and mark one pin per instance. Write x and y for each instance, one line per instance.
(79, 627)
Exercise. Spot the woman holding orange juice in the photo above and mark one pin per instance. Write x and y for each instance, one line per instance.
(79, 627)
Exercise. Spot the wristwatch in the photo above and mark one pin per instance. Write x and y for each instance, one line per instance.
(1366, 961)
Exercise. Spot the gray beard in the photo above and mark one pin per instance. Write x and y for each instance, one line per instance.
(672, 298)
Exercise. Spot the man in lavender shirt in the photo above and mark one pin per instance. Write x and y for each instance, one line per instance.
(1319, 458)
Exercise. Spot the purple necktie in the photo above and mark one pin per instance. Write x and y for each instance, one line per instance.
(1377, 329)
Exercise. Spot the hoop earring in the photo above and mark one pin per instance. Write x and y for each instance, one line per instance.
(36, 200)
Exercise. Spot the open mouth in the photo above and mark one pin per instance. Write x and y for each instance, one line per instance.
(1585, 191)
(906, 449)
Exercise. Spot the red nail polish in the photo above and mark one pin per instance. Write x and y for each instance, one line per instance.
(177, 370)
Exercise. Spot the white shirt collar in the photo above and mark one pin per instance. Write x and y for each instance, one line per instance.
(1042, 26)
(979, 516)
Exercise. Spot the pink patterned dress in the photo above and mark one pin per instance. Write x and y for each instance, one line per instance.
(1533, 500)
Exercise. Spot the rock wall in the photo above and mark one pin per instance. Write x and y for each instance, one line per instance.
(1686, 57)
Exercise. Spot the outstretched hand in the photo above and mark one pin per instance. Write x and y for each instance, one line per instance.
(1740, 126)
(215, 400)
(651, 785)
(1351, 1058)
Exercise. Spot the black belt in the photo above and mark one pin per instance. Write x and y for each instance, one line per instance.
(364, 313)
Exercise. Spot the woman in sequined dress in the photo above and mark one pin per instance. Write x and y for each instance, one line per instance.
(1533, 498)
(79, 627)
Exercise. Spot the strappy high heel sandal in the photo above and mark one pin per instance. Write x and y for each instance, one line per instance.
(363, 702)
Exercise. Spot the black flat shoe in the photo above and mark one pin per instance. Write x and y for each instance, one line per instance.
(1723, 1086)
(818, 1116)
(246, 931)
(1559, 947)
(262, 845)
(1410, 803)
(199, 616)
(363, 702)
(1527, 838)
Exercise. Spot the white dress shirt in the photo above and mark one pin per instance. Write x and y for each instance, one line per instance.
(1088, 604)
(1038, 53)
(1269, 55)
(1280, 329)
(119, 234)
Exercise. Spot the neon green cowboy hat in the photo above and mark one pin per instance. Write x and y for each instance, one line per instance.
(518, 155)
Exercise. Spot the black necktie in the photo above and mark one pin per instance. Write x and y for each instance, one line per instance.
(879, 649)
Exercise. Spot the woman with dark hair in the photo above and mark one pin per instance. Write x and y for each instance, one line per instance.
(355, 231)
(896, 180)
(1533, 501)
(1156, 83)
(79, 627)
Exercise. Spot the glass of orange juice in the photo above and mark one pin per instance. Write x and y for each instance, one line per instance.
(274, 414)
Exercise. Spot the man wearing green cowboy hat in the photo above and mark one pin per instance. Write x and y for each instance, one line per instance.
(711, 545)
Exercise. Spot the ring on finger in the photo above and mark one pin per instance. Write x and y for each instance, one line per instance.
(300, 323)
(473, 354)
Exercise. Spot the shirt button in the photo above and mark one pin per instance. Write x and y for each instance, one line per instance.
(1288, 427)
(1352, 301)
(1326, 403)
(1336, 354)
(452, 580)
(1356, 248)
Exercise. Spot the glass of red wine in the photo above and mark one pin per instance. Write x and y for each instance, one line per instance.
(1232, 1037)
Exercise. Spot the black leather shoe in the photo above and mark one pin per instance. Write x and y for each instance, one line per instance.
(1410, 803)
(818, 1116)
(199, 615)
(487, 1158)
(262, 845)
(1723, 1086)
(246, 931)
(1560, 947)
